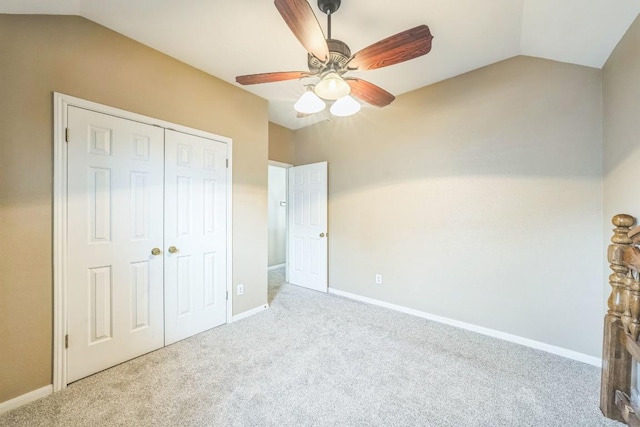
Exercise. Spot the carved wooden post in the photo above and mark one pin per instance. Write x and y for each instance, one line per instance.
(616, 361)
(631, 258)
(632, 307)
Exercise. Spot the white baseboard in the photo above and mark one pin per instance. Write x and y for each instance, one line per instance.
(570, 354)
(274, 267)
(26, 398)
(249, 313)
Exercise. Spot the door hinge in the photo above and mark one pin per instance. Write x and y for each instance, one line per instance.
(227, 163)
(66, 341)
(227, 295)
(66, 134)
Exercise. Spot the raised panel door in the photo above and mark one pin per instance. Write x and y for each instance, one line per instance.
(115, 204)
(307, 214)
(195, 206)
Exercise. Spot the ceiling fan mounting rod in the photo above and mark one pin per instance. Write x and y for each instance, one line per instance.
(329, 7)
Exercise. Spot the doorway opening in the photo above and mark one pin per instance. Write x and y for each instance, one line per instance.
(278, 242)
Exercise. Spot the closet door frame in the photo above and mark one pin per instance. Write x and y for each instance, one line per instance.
(61, 102)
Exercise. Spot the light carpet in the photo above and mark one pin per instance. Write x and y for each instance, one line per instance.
(313, 359)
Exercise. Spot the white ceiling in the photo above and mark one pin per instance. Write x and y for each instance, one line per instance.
(235, 37)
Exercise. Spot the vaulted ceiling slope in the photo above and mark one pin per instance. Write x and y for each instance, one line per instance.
(229, 38)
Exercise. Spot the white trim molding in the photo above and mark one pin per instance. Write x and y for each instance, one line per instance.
(230, 231)
(61, 102)
(59, 241)
(279, 164)
(250, 313)
(277, 266)
(569, 354)
(32, 396)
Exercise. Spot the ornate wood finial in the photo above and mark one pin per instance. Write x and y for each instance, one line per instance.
(623, 224)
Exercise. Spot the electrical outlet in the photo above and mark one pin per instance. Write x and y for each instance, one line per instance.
(378, 279)
(241, 289)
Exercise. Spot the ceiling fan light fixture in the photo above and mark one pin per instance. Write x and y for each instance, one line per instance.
(345, 106)
(309, 103)
(332, 87)
(329, 59)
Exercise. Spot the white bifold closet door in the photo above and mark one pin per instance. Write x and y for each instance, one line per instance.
(146, 239)
(195, 235)
(114, 211)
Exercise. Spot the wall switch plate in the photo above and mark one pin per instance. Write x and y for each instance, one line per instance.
(240, 289)
(378, 279)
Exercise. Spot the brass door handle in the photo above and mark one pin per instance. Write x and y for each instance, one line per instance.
(321, 234)
(156, 251)
(173, 249)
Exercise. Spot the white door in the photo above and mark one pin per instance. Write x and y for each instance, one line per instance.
(307, 215)
(115, 220)
(195, 235)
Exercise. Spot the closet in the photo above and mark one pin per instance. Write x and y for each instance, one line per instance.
(146, 221)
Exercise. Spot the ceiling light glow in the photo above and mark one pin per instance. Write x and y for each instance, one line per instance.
(332, 86)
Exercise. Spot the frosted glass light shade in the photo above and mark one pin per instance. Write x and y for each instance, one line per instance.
(345, 106)
(332, 86)
(309, 103)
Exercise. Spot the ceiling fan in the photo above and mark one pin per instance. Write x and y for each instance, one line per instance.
(330, 59)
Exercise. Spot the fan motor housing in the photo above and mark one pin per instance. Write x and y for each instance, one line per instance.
(339, 54)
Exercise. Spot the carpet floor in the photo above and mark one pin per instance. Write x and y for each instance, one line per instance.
(313, 359)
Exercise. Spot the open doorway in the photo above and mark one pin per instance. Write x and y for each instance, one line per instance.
(278, 178)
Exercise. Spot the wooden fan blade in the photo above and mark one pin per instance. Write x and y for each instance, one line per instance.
(303, 23)
(401, 47)
(252, 79)
(369, 92)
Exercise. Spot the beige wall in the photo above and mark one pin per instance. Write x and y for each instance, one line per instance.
(280, 143)
(477, 199)
(621, 111)
(43, 54)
